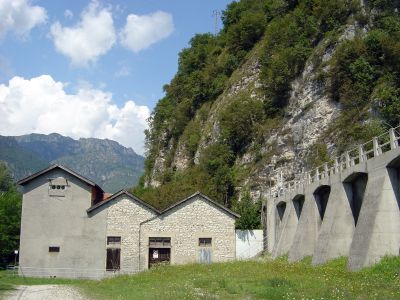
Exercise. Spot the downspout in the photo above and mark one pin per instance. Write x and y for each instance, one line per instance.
(140, 231)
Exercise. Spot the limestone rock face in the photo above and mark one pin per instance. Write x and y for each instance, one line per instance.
(309, 113)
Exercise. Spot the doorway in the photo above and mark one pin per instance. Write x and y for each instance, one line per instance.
(159, 256)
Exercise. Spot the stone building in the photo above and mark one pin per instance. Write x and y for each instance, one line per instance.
(71, 228)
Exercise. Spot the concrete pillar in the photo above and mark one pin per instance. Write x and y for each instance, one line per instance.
(347, 157)
(361, 157)
(270, 224)
(285, 231)
(337, 228)
(393, 140)
(378, 227)
(375, 145)
(306, 232)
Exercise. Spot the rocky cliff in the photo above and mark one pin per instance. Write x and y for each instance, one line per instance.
(309, 86)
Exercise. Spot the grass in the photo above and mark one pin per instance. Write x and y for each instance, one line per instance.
(257, 279)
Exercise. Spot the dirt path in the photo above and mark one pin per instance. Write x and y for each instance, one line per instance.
(44, 292)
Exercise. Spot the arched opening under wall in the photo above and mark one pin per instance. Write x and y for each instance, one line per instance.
(354, 186)
(321, 196)
(394, 174)
(298, 203)
(280, 208)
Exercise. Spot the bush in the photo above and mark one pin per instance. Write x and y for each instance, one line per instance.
(237, 122)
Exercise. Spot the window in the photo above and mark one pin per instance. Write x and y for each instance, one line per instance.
(157, 242)
(54, 249)
(113, 240)
(205, 242)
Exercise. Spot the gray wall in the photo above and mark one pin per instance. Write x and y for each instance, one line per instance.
(61, 221)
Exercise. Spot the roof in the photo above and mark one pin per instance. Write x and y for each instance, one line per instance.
(57, 166)
(116, 195)
(204, 197)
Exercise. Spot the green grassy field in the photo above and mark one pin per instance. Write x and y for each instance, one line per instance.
(258, 279)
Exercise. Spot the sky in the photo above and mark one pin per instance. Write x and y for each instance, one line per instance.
(92, 68)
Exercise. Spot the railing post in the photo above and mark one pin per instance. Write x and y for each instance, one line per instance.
(317, 174)
(375, 145)
(393, 140)
(326, 169)
(336, 165)
(347, 156)
(361, 153)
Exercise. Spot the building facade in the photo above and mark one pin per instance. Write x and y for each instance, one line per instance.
(71, 228)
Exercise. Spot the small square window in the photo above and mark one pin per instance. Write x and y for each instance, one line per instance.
(205, 242)
(54, 249)
(114, 240)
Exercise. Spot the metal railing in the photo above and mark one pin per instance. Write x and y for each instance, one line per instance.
(68, 272)
(373, 148)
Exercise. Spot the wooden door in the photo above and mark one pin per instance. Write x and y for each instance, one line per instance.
(113, 259)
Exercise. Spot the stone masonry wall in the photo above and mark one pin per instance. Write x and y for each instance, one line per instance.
(123, 219)
(185, 224)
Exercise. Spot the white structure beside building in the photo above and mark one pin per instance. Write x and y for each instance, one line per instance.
(249, 243)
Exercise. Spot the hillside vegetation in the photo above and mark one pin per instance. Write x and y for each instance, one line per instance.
(258, 279)
(232, 113)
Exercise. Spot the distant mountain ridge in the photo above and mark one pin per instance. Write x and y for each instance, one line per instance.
(106, 162)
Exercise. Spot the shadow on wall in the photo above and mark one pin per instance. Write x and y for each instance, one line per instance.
(244, 235)
(394, 175)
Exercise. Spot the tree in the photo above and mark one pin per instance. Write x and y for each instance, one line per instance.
(249, 211)
(10, 216)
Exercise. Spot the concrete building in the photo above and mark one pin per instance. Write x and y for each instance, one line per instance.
(71, 228)
(350, 207)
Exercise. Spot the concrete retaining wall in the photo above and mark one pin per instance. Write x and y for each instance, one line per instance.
(249, 243)
(361, 221)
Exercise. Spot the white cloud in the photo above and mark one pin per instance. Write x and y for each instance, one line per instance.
(41, 105)
(20, 16)
(90, 38)
(140, 32)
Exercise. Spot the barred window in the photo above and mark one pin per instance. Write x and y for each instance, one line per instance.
(113, 240)
(205, 242)
(155, 242)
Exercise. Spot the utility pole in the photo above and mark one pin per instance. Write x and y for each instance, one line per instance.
(216, 14)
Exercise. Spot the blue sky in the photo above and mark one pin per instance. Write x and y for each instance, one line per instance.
(92, 68)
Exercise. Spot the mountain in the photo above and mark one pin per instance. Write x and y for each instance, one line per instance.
(281, 88)
(106, 162)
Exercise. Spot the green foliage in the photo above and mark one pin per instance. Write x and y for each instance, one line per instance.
(386, 99)
(242, 35)
(238, 121)
(317, 156)
(10, 215)
(365, 74)
(249, 212)
(289, 41)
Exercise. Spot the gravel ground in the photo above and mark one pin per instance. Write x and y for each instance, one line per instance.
(44, 292)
